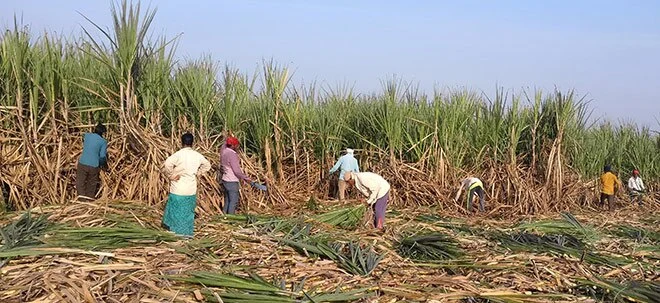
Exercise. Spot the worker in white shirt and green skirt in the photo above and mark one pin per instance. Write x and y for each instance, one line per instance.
(182, 169)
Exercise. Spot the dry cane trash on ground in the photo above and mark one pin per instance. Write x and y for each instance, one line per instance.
(115, 251)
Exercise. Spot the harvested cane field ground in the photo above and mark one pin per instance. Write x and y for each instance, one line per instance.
(115, 251)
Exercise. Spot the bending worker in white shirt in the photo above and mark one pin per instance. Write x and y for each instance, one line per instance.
(636, 187)
(472, 186)
(376, 189)
(182, 169)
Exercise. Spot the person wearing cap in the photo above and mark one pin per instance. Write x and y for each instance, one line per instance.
(377, 190)
(345, 163)
(636, 187)
(92, 160)
(232, 174)
(182, 169)
(609, 186)
(473, 187)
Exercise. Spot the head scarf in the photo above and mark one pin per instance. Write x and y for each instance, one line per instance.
(349, 151)
(232, 141)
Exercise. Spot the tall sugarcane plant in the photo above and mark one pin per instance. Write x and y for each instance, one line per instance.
(63, 85)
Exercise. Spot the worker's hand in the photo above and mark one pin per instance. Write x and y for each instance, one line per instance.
(175, 177)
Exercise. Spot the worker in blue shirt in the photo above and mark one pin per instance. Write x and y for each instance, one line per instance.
(92, 160)
(345, 163)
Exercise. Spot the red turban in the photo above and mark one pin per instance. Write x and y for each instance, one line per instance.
(232, 141)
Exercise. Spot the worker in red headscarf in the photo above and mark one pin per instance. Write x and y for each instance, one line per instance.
(231, 174)
(636, 187)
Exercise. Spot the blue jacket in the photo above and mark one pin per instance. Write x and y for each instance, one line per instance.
(346, 162)
(95, 149)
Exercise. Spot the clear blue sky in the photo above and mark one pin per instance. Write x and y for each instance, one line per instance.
(609, 50)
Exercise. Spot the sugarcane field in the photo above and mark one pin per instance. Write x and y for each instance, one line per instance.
(130, 173)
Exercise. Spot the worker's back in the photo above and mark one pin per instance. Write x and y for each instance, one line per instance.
(187, 164)
(349, 163)
(368, 182)
(608, 181)
(94, 148)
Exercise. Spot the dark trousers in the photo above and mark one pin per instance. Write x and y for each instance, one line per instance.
(479, 191)
(231, 197)
(609, 198)
(636, 196)
(87, 181)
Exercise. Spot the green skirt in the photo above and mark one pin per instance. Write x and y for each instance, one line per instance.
(179, 215)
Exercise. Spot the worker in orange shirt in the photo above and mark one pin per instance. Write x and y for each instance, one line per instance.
(609, 186)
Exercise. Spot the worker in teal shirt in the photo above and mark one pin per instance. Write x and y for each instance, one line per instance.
(92, 160)
(345, 163)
